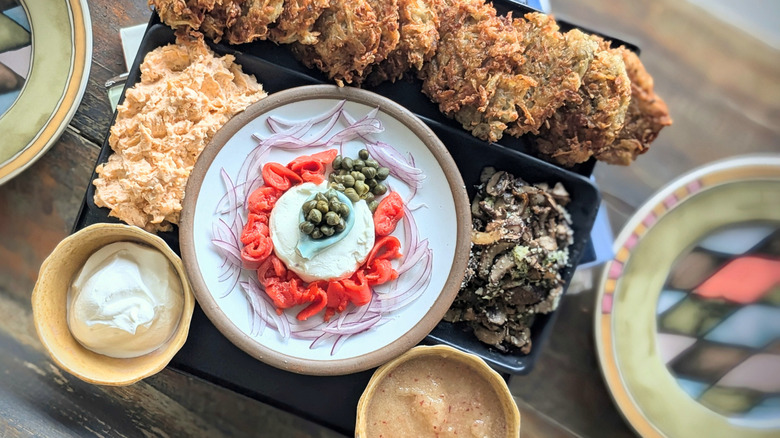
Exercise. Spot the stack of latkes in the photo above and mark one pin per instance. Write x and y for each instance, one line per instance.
(494, 74)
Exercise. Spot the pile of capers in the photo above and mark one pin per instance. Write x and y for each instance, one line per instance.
(359, 178)
(324, 215)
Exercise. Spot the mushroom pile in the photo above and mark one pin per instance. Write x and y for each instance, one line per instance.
(520, 235)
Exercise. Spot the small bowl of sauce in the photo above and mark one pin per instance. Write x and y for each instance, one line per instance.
(437, 391)
(112, 304)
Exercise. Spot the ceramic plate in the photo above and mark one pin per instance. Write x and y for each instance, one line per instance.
(439, 209)
(45, 54)
(689, 330)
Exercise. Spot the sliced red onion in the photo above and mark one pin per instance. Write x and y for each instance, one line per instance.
(399, 167)
(355, 327)
(411, 260)
(323, 338)
(282, 124)
(339, 342)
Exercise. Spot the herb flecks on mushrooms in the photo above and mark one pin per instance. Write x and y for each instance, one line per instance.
(520, 235)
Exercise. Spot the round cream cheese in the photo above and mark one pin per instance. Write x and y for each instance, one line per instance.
(126, 301)
(336, 261)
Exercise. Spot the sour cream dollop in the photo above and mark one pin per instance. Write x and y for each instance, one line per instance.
(338, 260)
(126, 301)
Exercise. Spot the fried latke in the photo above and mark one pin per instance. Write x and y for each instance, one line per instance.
(177, 13)
(419, 37)
(350, 35)
(586, 126)
(495, 74)
(387, 14)
(647, 115)
(297, 20)
(256, 16)
(223, 15)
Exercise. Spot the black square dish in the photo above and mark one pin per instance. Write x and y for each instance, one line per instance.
(210, 355)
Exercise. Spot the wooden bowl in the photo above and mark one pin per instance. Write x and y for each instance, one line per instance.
(468, 367)
(49, 303)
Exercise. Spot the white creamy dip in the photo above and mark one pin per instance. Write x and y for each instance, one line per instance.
(336, 261)
(126, 301)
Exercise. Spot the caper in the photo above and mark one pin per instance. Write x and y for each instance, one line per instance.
(382, 173)
(358, 164)
(372, 163)
(372, 183)
(369, 197)
(337, 186)
(363, 154)
(332, 177)
(348, 180)
(306, 227)
(373, 205)
(352, 195)
(320, 197)
(343, 210)
(337, 161)
(343, 172)
(380, 189)
(322, 206)
(316, 234)
(361, 188)
(332, 218)
(308, 205)
(330, 194)
(339, 227)
(333, 204)
(347, 163)
(359, 176)
(314, 216)
(327, 230)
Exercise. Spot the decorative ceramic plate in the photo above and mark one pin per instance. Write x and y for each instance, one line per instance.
(45, 54)
(434, 232)
(689, 330)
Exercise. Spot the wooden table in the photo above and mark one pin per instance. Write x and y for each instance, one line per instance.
(723, 91)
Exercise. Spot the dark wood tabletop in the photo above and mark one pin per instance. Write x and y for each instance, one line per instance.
(720, 83)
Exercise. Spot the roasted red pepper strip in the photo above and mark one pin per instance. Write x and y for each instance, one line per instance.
(389, 211)
(256, 252)
(324, 157)
(380, 272)
(311, 168)
(256, 224)
(263, 199)
(356, 288)
(316, 295)
(280, 177)
(386, 248)
(337, 299)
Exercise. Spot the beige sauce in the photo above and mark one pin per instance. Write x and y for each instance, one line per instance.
(435, 397)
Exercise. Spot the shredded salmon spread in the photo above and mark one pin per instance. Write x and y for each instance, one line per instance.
(185, 95)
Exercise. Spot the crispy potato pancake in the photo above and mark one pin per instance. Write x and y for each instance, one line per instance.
(223, 15)
(647, 115)
(419, 37)
(498, 74)
(177, 13)
(578, 130)
(297, 20)
(253, 22)
(349, 37)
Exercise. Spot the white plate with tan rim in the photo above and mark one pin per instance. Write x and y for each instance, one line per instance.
(688, 335)
(439, 212)
(45, 54)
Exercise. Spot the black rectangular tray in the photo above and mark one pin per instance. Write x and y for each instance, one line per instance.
(331, 401)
